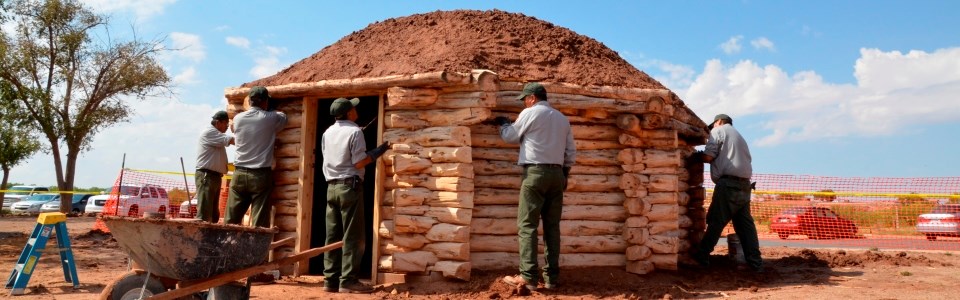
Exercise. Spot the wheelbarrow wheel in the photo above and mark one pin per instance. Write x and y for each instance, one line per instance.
(131, 285)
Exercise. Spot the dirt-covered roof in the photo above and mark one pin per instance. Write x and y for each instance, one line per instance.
(516, 46)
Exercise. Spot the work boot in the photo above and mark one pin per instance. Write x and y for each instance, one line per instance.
(330, 288)
(356, 288)
(518, 281)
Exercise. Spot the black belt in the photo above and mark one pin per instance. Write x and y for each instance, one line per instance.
(544, 165)
(348, 180)
(735, 178)
(210, 171)
(252, 169)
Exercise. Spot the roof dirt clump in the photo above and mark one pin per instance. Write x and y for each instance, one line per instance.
(518, 47)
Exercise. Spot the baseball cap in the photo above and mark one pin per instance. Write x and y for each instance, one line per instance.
(220, 116)
(533, 88)
(720, 117)
(259, 92)
(341, 106)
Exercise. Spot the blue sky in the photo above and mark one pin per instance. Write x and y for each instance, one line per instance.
(834, 88)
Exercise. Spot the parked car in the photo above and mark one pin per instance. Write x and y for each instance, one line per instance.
(78, 206)
(136, 200)
(33, 203)
(19, 192)
(96, 203)
(814, 222)
(943, 220)
(188, 209)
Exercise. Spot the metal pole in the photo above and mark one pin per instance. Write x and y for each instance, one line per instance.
(186, 186)
(123, 167)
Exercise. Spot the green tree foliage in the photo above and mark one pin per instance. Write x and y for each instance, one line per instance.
(17, 142)
(825, 195)
(72, 78)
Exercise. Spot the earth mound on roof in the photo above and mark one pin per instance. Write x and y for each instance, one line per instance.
(517, 47)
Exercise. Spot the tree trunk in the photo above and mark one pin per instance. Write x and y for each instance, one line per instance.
(3, 183)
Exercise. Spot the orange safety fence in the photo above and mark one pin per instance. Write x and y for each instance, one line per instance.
(855, 212)
(136, 193)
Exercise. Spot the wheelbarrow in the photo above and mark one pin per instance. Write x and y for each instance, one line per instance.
(180, 258)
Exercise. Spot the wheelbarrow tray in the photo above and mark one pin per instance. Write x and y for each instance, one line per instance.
(189, 250)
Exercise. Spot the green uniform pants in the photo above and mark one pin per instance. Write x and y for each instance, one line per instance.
(345, 223)
(731, 201)
(208, 195)
(541, 196)
(250, 187)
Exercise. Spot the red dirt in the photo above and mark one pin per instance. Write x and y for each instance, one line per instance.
(791, 274)
(517, 47)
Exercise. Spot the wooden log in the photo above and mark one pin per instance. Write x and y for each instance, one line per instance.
(633, 181)
(452, 215)
(454, 136)
(409, 164)
(288, 164)
(386, 229)
(659, 227)
(289, 136)
(285, 192)
(494, 243)
(411, 210)
(444, 232)
(659, 158)
(636, 206)
(386, 212)
(385, 263)
(594, 213)
(637, 193)
(453, 251)
(664, 261)
(400, 97)
(487, 128)
(596, 170)
(656, 143)
(597, 144)
(497, 154)
(447, 154)
(410, 240)
(287, 150)
(598, 158)
(465, 100)
(404, 119)
(630, 156)
(595, 113)
(692, 132)
(286, 177)
(451, 184)
(591, 198)
(495, 167)
(635, 236)
(493, 260)
(638, 252)
(499, 181)
(634, 168)
(285, 207)
(629, 123)
(636, 222)
(641, 267)
(661, 198)
(412, 224)
(453, 269)
(684, 222)
(464, 170)
(593, 244)
(493, 226)
(288, 223)
(410, 196)
(592, 121)
(662, 212)
(593, 183)
(595, 132)
(575, 101)
(435, 117)
(491, 141)
(495, 211)
(492, 196)
(415, 261)
(663, 183)
(575, 260)
(659, 171)
(612, 92)
(354, 86)
(654, 121)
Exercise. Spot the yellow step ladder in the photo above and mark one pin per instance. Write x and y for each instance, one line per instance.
(47, 223)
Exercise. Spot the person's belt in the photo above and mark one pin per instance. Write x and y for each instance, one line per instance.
(544, 165)
(731, 177)
(348, 180)
(252, 169)
(209, 171)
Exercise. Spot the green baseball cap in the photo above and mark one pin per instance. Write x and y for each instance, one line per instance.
(259, 92)
(221, 116)
(724, 117)
(341, 106)
(533, 88)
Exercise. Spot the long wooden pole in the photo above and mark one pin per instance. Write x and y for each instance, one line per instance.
(190, 288)
(123, 167)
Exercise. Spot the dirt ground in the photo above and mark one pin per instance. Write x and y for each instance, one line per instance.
(791, 274)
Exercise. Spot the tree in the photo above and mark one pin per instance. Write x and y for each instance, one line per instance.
(16, 142)
(71, 85)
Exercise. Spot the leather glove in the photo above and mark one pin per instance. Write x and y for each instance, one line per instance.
(378, 151)
(501, 121)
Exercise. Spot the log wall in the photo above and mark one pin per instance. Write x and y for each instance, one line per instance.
(451, 191)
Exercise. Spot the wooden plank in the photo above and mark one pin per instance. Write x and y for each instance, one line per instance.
(308, 139)
(378, 192)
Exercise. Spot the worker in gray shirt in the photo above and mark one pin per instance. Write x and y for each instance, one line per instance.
(345, 156)
(730, 169)
(211, 165)
(256, 130)
(547, 152)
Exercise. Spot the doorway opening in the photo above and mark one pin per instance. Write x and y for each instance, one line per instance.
(367, 112)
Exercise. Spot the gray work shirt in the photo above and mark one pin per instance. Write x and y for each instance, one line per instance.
(212, 153)
(544, 135)
(730, 153)
(342, 146)
(256, 130)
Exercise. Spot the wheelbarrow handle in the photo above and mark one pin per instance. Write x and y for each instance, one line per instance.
(281, 242)
(218, 280)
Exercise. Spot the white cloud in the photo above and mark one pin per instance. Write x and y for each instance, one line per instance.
(238, 41)
(763, 43)
(894, 93)
(188, 76)
(221, 28)
(732, 45)
(267, 61)
(188, 46)
(142, 9)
